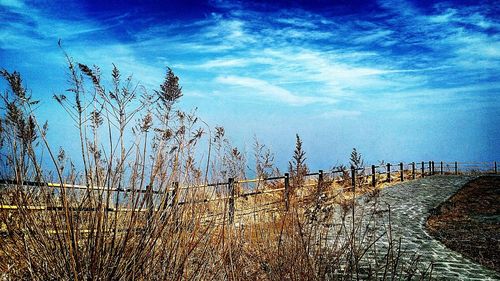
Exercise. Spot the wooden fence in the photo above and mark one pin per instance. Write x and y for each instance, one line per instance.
(350, 179)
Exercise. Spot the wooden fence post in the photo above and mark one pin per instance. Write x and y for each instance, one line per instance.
(496, 171)
(165, 198)
(353, 178)
(430, 168)
(388, 172)
(441, 167)
(374, 176)
(413, 170)
(149, 197)
(423, 168)
(175, 194)
(401, 171)
(149, 201)
(287, 191)
(230, 185)
(433, 168)
(456, 168)
(320, 185)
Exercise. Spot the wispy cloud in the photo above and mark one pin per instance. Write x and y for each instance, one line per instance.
(256, 88)
(12, 3)
(340, 113)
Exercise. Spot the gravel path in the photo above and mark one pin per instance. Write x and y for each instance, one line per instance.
(410, 204)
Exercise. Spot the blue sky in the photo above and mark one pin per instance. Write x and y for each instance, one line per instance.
(399, 80)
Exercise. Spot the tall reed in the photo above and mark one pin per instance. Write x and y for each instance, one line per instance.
(125, 214)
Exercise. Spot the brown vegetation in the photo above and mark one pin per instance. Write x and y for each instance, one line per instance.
(133, 217)
(469, 222)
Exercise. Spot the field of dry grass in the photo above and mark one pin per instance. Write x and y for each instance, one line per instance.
(126, 216)
(183, 241)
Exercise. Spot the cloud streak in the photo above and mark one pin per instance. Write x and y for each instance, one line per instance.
(262, 89)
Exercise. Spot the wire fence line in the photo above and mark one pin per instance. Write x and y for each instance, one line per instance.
(349, 180)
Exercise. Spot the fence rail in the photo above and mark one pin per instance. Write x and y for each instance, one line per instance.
(354, 177)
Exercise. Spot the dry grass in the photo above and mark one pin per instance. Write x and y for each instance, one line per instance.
(181, 242)
(469, 221)
(80, 235)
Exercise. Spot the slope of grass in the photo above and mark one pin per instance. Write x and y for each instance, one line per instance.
(469, 222)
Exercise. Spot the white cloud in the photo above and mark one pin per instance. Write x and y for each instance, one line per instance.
(373, 36)
(268, 91)
(227, 62)
(297, 22)
(443, 18)
(12, 3)
(340, 113)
